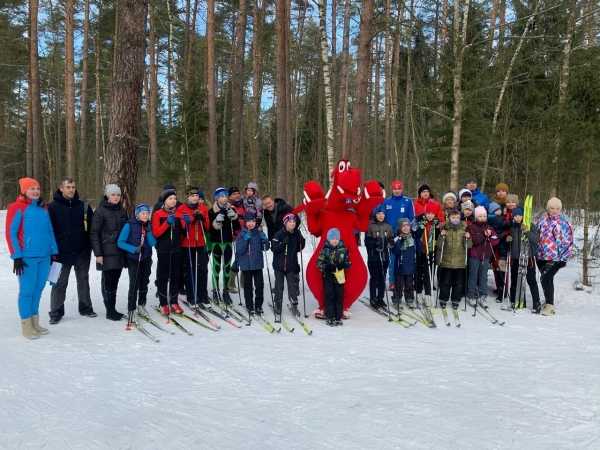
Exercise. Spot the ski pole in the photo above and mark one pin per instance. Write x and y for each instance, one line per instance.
(135, 281)
(271, 289)
(443, 239)
(387, 298)
(237, 273)
(466, 272)
(224, 269)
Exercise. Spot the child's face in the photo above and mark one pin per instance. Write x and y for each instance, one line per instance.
(429, 216)
(455, 219)
(511, 205)
(380, 216)
(405, 228)
(334, 242)
(554, 211)
(518, 219)
(144, 216)
(290, 225)
(465, 197)
(222, 201)
(171, 201)
(251, 224)
(481, 218)
(450, 202)
(193, 199)
(468, 212)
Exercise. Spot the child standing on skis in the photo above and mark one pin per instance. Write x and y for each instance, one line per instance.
(378, 240)
(332, 262)
(451, 256)
(137, 240)
(484, 239)
(249, 247)
(286, 245)
(426, 234)
(405, 249)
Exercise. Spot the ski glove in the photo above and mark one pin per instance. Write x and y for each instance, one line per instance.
(19, 266)
(171, 219)
(198, 216)
(187, 219)
(231, 214)
(220, 218)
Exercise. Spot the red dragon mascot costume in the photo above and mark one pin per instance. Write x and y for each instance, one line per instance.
(346, 206)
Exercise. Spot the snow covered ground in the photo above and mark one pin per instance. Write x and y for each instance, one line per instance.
(532, 384)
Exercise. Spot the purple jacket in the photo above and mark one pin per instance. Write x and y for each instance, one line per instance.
(481, 248)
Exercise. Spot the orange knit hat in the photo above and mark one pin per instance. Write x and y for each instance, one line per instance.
(26, 183)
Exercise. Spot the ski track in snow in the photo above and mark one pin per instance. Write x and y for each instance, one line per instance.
(532, 384)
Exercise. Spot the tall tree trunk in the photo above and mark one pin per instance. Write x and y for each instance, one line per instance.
(153, 94)
(330, 137)
(342, 104)
(257, 86)
(83, 115)
(170, 70)
(492, 30)
(360, 115)
(460, 40)
(282, 25)
(407, 92)
(34, 160)
(237, 86)
(211, 94)
(503, 92)
(563, 87)
(70, 87)
(126, 99)
(99, 131)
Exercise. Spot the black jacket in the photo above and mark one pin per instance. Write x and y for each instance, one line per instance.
(71, 226)
(106, 226)
(285, 247)
(274, 219)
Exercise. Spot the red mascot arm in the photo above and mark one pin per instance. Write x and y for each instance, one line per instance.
(313, 203)
(372, 196)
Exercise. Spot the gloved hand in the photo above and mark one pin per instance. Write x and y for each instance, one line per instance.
(231, 214)
(509, 238)
(19, 266)
(171, 219)
(220, 218)
(187, 219)
(263, 236)
(198, 216)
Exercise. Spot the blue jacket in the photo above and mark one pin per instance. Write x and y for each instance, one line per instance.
(249, 247)
(29, 231)
(400, 207)
(130, 238)
(480, 199)
(406, 258)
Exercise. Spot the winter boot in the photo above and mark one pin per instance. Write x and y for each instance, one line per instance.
(28, 331)
(176, 309)
(331, 322)
(231, 285)
(373, 303)
(227, 298)
(110, 303)
(35, 321)
(548, 310)
(380, 303)
(338, 322)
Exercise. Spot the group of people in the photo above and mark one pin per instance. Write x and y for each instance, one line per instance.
(405, 242)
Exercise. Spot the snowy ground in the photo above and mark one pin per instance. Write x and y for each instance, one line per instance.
(533, 384)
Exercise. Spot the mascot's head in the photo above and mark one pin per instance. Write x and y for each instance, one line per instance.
(346, 181)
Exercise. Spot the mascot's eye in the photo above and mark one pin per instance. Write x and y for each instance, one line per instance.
(342, 166)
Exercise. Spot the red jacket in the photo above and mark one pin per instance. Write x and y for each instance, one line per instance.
(195, 231)
(429, 205)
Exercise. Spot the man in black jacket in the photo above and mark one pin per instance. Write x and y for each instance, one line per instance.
(71, 220)
(273, 212)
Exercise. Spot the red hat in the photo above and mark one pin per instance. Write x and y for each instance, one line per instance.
(26, 183)
(397, 184)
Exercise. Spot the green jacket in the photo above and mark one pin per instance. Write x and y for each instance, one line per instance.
(333, 258)
(451, 250)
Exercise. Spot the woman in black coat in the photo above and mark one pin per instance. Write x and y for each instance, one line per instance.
(108, 220)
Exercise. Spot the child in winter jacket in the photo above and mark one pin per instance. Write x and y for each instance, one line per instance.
(249, 247)
(427, 234)
(332, 262)
(467, 209)
(554, 250)
(452, 259)
(286, 245)
(168, 230)
(195, 259)
(406, 246)
(497, 221)
(378, 240)
(137, 240)
(523, 243)
(484, 240)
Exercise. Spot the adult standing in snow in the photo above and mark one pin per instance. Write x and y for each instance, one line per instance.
(478, 197)
(71, 220)
(108, 220)
(274, 210)
(554, 249)
(397, 207)
(31, 244)
(424, 198)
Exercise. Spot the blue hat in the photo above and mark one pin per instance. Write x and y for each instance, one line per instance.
(333, 233)
(379, 209)
(142, 207)
(494, 207)
(518, 211)
(221, 192)
(250, 215)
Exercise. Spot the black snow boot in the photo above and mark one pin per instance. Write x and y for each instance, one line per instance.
(110, 302)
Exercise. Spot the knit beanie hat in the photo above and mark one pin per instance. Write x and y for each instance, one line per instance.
(27, 183)
(140, 208)
(233, 190)
(250, 216)
(192, 190)
(379, 209)
(110, 189)
(480, 211)
(502, 187)
(402, 221)
(220, 192)
(512, 198)
(494, 207)
(467, 205)
(448, 195)
(252, 185)
(464, 191)
(422, 188)
(554, 202)
(333, 233)
(518, 211)
(166, 194)
(289, 218)
(397, 184)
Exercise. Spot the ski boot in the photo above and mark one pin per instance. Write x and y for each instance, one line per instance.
(227, 298)
(548, 310)
(176, 309)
